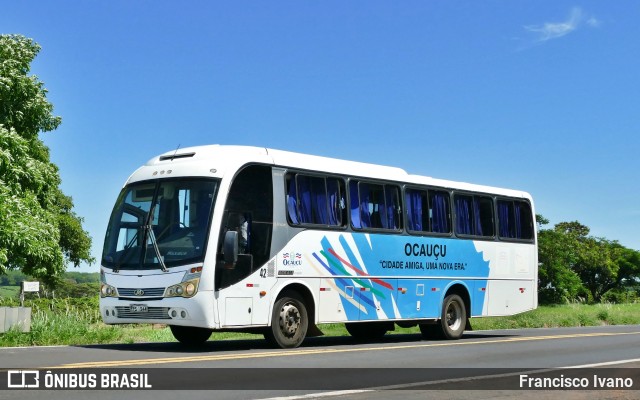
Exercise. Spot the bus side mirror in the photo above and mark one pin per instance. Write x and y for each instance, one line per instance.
(230, 248)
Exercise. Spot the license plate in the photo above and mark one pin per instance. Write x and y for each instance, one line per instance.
(138, 308)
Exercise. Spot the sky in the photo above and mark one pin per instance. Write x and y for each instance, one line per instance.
(540, 96)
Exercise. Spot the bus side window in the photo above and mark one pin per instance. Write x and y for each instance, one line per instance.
(375, 206)
(439, 211)
(428, 211)
(515, 220)
(416, 204)
(474, 215)
(314, 200)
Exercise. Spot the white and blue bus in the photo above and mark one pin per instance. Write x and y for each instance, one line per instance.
(234, 238)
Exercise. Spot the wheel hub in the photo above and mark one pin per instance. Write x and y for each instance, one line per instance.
(289, 319)
(453, 316)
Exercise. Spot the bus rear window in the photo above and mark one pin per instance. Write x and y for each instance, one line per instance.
(515, 220)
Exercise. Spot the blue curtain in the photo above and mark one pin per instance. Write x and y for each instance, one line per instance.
(511, 223)
(392, 207)
(476, 217)
(413, 200)
(333, 190)
(314, 200)
(319, 201)
(305, 199)
(463, 216)
(518, 220)
(440, 217)
(503, 219)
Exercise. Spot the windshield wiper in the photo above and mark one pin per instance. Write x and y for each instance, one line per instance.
(152, 236)
(148, 231)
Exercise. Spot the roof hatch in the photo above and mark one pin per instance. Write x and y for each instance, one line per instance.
(176, 156)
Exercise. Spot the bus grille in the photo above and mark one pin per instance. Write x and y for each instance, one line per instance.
(151, 313)
(148, 292)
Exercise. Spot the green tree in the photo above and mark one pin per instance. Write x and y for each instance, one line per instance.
(67, 289)
(628, 261)
(82, 277)
(39, 232)
(557, 281)
(574, 264)
(12, 278)
(595, 267)
(606, 266)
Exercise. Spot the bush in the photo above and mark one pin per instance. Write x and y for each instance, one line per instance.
(603, 315)
(620, 296)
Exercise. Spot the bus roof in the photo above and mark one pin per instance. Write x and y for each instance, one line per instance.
(204, 160)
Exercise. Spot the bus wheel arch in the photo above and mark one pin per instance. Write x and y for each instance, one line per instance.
(293, 314)
(462, 291)
(454, 315)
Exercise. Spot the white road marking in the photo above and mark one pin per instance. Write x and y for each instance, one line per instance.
(452, 380)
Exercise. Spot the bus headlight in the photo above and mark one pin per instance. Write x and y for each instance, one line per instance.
(184, 289)
(189, 289)
(108, 291)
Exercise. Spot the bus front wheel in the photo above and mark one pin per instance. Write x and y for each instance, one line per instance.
(289, 322)
(190, 336)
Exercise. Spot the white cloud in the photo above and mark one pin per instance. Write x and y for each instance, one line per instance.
(593, 22)
(555, 30)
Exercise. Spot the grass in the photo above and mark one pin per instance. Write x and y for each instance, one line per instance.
(77, 322)
(564, 316)
(9, 291)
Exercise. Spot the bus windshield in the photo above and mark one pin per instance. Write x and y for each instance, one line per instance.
(159, 224)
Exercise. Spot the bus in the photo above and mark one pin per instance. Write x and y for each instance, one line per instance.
(249, 239)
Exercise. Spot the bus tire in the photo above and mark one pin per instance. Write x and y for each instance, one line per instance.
(190, 336)
(453, 318)
(289, 322)
(367, 330)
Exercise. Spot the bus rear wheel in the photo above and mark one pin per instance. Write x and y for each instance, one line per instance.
(289, 322)
(452, 320)
(190, 336)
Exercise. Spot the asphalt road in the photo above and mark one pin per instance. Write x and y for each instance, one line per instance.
(483, 364)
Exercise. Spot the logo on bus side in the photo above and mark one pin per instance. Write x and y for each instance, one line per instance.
(291, 259)
(425, 250)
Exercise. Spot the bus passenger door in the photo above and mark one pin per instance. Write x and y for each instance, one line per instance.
(249, 212)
